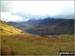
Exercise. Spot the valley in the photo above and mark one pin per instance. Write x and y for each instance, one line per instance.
(32, 43)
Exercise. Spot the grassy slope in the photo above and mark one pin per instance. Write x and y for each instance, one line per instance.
(36, 45)
(6, 29)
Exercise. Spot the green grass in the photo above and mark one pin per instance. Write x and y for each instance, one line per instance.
(65, 37)
(36, 45)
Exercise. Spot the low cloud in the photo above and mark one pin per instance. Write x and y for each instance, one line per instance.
(9, 17)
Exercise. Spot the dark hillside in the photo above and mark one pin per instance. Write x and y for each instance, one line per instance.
(48, 26)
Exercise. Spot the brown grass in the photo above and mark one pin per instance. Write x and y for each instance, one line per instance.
(6, 51)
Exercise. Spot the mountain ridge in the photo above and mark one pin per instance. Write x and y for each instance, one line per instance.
(47, 25)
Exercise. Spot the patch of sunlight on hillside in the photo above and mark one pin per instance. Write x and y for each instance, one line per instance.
(8, 29)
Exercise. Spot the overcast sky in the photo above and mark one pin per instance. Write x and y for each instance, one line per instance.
(25, 10)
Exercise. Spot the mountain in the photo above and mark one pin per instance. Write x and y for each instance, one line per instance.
(60, 26)
(25, 25)
(15, 43)
(7, 29)
(47, 26)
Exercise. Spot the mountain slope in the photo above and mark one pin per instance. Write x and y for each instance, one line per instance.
(28, 44)
(8, 29)
(25, 25)
(47, 26)
(57, 26)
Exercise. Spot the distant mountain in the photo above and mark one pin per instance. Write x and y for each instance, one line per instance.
(61, 26)
(7, 29)
(25, 25)
(47, 26)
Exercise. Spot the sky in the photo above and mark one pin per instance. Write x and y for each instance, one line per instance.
(25, 10)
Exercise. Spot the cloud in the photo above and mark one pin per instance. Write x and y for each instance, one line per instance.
(44, 7)
(9, 17)
(25, 10)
